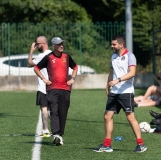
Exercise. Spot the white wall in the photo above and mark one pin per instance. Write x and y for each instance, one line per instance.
(85, 81)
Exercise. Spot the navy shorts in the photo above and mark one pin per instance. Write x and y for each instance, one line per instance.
(124, 101)
(41, 99)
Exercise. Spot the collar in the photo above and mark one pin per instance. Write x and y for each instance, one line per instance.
(125, 51)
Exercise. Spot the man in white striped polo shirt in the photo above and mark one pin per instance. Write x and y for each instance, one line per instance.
(120, 92)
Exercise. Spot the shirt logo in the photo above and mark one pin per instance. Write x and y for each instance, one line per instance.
(64, 60)
(123, 58)
(53, 60)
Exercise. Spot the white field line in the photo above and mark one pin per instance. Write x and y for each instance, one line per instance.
(36, 150)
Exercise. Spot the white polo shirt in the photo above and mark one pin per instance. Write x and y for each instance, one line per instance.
(120, 65)
(41, 85)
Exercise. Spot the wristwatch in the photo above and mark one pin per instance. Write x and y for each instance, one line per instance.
(119, 79)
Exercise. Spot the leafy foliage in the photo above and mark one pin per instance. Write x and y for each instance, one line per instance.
(41, 11)
(64, 18)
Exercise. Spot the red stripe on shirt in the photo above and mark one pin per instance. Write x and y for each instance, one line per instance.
(132, 65)
(125, 52)
(37, 68)
(75, 67)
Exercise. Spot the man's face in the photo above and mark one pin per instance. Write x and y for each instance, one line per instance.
(116, 46)
(39, 45)
(40, 48)
(59, 47)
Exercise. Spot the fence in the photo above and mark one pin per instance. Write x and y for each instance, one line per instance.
(87, 43)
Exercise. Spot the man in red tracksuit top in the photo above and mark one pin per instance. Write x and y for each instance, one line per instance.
(58, 86)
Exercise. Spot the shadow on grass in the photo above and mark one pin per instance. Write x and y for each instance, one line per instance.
(159, 107)
(43, 143)
(6, 115)
(17, 135)
(78, 120)
(125, 150)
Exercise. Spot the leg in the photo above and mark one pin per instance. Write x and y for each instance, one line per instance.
(106, 147)
(53, 97)
(134, 124)
(148, 103)
(138, 98)
(64, 103)
(42, 101)
(45, 117)
(158, 91)
(108, 117)
(136, 129)
(151, 90)
(126, 100)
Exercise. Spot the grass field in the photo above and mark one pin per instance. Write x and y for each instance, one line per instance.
(84, 129)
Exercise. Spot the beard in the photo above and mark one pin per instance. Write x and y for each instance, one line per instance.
(40, 49)
(116, 50)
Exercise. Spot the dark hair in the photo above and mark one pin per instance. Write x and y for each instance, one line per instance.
(120, 39)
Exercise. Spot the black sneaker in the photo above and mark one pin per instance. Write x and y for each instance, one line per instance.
(140, 148)
(154, 114)
(155, 121)
(102, 148)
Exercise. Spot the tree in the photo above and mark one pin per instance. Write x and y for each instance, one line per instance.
(37, 11)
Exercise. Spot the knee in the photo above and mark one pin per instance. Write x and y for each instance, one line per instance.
(131, 118)
(107, 117)
(152, 88)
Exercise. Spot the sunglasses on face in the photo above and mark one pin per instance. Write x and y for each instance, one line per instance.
(36, 44)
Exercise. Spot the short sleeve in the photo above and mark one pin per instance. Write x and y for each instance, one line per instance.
(131, 59)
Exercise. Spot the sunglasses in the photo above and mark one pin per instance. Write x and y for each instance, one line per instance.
(36, 44)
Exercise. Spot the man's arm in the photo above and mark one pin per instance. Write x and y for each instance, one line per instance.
(39, 74)
(130, 74)
(110, 77)
(74, 74)
(30, 62)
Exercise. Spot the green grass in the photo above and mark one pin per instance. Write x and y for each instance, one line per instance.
(84, 129)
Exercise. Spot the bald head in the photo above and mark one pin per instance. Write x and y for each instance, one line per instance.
(41, 43)
(42, 39)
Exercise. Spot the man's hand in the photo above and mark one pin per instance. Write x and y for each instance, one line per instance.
(112, 83)
(70, 82)
(47, 82)
(33, 47)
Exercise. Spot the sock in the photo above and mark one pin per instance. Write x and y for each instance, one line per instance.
(140, 141)
(46, 131)
(107, 142)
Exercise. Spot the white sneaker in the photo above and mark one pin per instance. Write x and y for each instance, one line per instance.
(152, 130)
(58, 140)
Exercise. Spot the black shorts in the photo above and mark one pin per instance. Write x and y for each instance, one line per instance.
(117, 101)
(41, 99)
